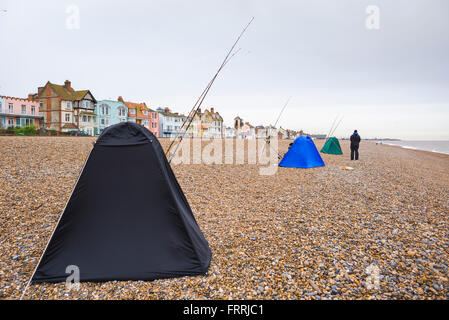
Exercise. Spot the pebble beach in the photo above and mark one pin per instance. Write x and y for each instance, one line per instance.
(379, 231)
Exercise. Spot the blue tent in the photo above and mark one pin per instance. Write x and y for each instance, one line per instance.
(302, 154)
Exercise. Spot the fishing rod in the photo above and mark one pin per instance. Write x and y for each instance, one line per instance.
(190, 116)
(333, 131)
(269, 131)
(283, 108)
(205, 92)
(330, 130)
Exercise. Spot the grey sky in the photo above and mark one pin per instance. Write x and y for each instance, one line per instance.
(391, 82)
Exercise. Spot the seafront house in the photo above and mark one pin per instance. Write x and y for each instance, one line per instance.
(141, 114)
(109, 112)
(169, 122)
(212, 124)
(19, 112)
(229, 132)
(207, 124)
(65, 109)
(247, 131)
(261, 132)
(154, 122)
(2, 113)
(282, 133)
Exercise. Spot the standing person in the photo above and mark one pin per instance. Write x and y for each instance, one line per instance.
(355, 141)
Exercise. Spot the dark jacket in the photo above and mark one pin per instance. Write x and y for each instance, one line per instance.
(355, 140)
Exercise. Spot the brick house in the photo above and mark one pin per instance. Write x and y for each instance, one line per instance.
(65, 109)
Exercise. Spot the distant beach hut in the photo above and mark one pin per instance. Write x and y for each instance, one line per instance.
(302, 154)
(332, 146)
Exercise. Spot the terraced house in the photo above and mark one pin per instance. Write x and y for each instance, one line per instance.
(207, 124)
(109, 112)
(169, 122)
(2, 113)
(65, 109)
(19, 112)
(141, 114)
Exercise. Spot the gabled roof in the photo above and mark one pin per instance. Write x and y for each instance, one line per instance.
(68, 93)
(140, 107)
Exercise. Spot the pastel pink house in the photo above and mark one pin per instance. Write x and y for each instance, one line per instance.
(19, 112)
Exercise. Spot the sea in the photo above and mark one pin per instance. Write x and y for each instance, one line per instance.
(438, 146)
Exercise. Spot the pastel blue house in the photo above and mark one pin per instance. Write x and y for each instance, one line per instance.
(2, 113)
(109, 112)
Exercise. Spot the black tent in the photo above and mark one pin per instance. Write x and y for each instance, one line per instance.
(127, 218)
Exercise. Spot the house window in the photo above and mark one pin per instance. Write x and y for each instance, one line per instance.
(67, 117)
(145, 112)
(132, 111)
(68, 105)
(102, 122)
(86, 104)
(41, 104)
(10, 108)
(104, 109)
(121, 112)
(10, 122)
(33, 110)
(24, 109)
(18, 122)
(84, 119)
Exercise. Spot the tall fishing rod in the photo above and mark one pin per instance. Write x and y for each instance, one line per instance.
(190, 116)
(333, 131)
(283, 108)
(269, 131)
(206, 90)
(330, 130)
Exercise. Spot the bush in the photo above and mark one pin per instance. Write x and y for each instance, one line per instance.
(26, 130)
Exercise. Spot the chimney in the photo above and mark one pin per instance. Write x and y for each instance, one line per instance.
(68, 85)
(212, 110)
(120, 99)
(30, 96)
(167, 109)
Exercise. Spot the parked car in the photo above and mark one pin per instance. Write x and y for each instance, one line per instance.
(78, 133)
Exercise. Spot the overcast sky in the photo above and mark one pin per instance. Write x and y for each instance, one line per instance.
(386, 82)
